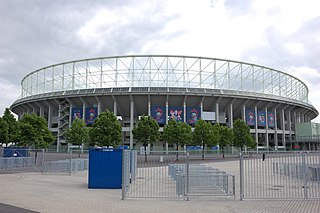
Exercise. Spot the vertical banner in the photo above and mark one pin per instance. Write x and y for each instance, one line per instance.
(271, 119)
(250, 118)
(193, 114)
(261, 118)
(77, 112)
(158, 113)
(91, 114)
(176, 113)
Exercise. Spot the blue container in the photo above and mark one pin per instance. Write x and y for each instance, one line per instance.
(105, 168)
(9, 152)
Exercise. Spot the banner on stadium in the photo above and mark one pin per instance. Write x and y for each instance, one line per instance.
(271, 119)
(250, 118)
(193, 114)
(176, 113)
(261, 118)
(91, 114)
(158, 113)
(77, 112)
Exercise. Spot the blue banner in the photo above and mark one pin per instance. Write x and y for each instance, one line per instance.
(77, 112)
(193, 114)
(271, 119)
(250, 118)
(158, 113)
(176, 113)
(261, 118)
(91, 114)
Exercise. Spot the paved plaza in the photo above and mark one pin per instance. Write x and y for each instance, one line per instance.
(64, 193)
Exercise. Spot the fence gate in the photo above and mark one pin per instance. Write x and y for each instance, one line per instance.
(280, 175)
(172, 175)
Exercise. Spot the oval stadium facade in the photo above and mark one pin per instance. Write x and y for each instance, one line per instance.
(186, 88)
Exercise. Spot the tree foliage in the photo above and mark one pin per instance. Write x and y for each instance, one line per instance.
(106, 130)
(34, 132)
(78, 133)
(177, 133)
(226, 137)
(12, 125)
(146, 132)
(4, 131)
(242, 136)
(206, 134)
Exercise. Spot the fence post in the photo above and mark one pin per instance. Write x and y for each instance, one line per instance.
(42, 162)
(187, 185)
(241, 175)
(123, 181)
(304, 173)
(70, 169)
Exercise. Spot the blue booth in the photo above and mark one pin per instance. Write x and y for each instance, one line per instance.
(9, 152)
(105, 168)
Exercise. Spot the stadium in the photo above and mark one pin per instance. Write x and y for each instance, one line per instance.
(185, 88)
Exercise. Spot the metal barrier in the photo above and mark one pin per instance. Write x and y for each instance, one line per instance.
(64, 166)
(201, 180)
(172, 176)
(15, 162)
(280, 175)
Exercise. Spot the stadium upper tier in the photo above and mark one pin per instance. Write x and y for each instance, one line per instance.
(164, 71)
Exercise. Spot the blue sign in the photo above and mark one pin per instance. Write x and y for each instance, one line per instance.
(77, 112)
(158, 113)
(250, 118)
(261, 118)
(193, 114)
(176, 113)
(194, 148)
(215, 148)
(271, 119)
(91, 114)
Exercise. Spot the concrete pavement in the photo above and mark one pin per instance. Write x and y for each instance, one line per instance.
(64, 193)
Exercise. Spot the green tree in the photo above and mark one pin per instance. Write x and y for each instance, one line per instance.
(146, 132)
(12, 125)
(205, 134)
(34, 132)
(106, 130)
(4, 131)
(78, 133)
(226, 138)
(242, 136)
(177, 133)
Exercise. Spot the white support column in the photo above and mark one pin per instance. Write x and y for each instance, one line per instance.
(49, 116)
(267, 127)
(283, 126)
(217, 113)
(275, 130)
(70, 115)
(59, 131)
(231, 115)
(131, 122)
(83, 111)
(149, 105)
(115, 108)
(289, 124)
(201, 105)
(256, 125)
(185, 109)
(99, 108)
(244, 113)
(167, 109)
(41, 111)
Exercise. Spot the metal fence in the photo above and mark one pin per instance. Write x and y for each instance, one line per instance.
(39, 160)
(280, 175)
(173, 176)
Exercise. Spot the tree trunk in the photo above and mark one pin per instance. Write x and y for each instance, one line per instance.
(177, 154)
(202, 151)
(35, 157)
(145, 153)
(222, 149)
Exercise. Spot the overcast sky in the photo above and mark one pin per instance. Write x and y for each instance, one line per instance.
(281, 34)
